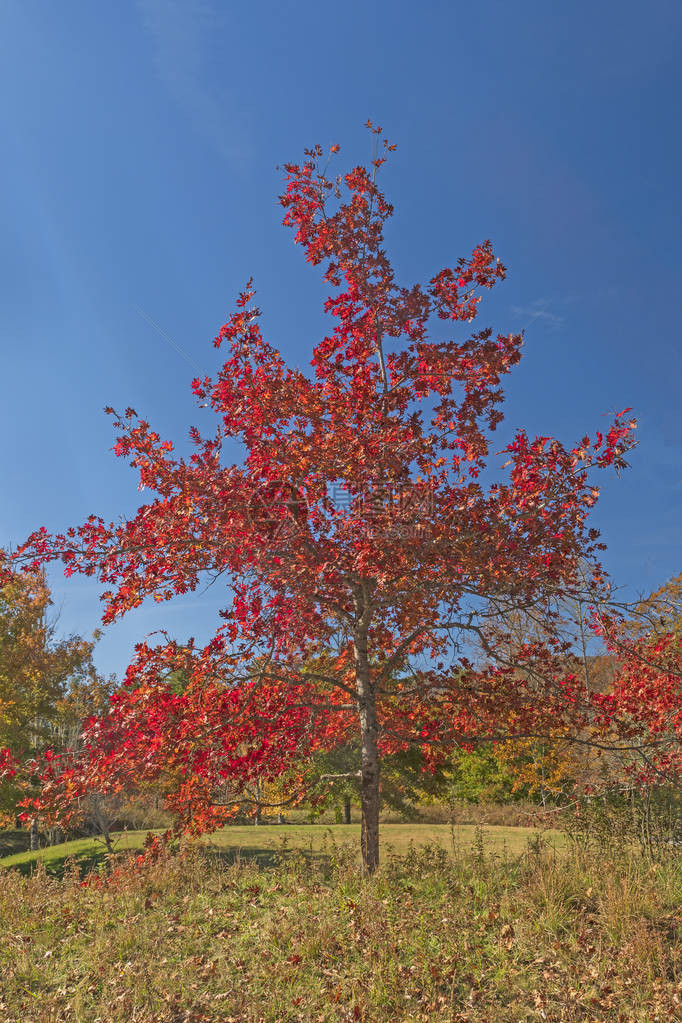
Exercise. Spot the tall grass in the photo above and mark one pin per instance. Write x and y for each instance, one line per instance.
(466, 935)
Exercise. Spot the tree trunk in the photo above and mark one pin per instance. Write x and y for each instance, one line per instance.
(55, 836)
(103, 826)
(369, 731)
(33, 835)
(369, 784)
(346, 809)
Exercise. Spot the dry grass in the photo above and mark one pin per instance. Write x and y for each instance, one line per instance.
(464, 935)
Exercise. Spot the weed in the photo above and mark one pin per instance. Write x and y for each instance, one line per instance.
(494, 934)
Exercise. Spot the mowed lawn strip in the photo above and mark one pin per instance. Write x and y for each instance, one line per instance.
(396, 838)
(266, 840)
(83, 850)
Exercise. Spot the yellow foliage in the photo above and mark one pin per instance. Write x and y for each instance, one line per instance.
(35, 666)
(549, 765)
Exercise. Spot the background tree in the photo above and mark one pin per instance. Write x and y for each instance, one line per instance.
(408, 779)
(661, 611)
(357, 525)
(44, 679)
(643, 707)
(35, 665)
(481, 775)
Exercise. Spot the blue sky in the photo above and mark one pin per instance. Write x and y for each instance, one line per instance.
(138, 182)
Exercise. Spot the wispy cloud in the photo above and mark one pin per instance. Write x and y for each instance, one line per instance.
(181, 31)
(538, 310)
(170, 340)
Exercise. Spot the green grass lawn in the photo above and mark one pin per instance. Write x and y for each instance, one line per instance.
(267, 842)
(87, 852)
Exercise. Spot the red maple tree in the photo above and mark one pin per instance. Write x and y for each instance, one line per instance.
(642, 709)
(359, 546)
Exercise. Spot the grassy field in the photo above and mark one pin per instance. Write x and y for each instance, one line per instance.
(265, 843)
(497, 932)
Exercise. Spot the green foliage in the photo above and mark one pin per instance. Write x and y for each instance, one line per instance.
(177, 681)
(404, 781)
(480, 777)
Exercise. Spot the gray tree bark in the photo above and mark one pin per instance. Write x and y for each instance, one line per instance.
(369, 734)
(102, 824)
